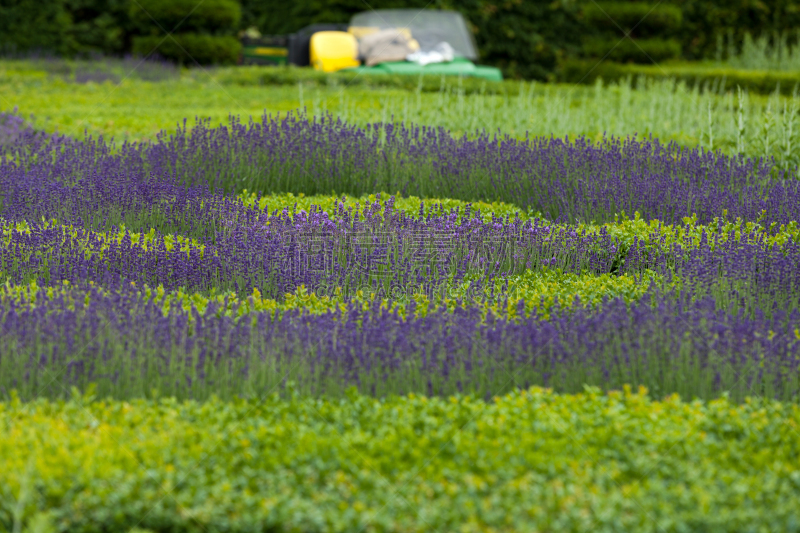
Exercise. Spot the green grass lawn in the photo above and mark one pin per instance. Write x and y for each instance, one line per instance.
(136, 110)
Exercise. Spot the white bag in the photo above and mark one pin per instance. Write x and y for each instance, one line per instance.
(441, 53)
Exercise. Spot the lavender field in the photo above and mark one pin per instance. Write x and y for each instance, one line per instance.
(717, 309)
(185, 284)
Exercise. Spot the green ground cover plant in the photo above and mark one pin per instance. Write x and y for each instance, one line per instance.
(616, 462)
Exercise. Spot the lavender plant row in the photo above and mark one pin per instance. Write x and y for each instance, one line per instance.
(278, 253)
(127, 347)
(381, 248)
(565, 179)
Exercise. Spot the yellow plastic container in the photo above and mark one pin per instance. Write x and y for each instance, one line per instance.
(333, 50)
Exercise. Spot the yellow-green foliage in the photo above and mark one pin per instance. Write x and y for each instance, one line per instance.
(627, 229)
(541, 292)
(409, 205)
(624, 227)
(587, 462)
(143, 240)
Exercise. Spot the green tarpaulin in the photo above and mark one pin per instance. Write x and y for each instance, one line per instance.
(459, 66)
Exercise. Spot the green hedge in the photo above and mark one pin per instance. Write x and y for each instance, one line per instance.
(637, 32)
(624, 50)
(292, 75)
(35, 25)
(529, 461)
(754, 81)
(100, 26)
(208, 16)
(703, 20)
(188, 48)
(643, 19)
(524, 38)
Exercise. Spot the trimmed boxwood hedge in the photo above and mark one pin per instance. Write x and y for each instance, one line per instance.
(208, 16)
(754, 81)
(188, 48)
(625, 50)
(641, 18)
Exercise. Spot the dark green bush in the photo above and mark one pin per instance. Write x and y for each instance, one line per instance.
(760, 82)
(625, 50)
(644, 19)
(636, 32)
(703, 20)
(208, 16)
(190, 48)
(100, 26)
(35, 25)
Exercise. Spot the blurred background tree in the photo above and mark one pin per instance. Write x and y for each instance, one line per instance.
(187, 31)
(525, 38)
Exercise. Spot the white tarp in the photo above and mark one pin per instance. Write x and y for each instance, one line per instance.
(441, 53)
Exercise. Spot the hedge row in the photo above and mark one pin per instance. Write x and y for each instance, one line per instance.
(641, 18)
(624, 50)
(525, 39)
(190, 48)
(117, 27)
(528, 461)
(209, 16)
(290, 75)
(760, 82)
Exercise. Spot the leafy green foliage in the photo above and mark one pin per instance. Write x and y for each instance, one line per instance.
(693, 74)
(523, 38)
(190, 48)
(590, 461)
(35, 25)
(624, 50)
(705, 20)
(636, 32)
(642, 19)
(100, 26)
(209, 16)
(777, 53)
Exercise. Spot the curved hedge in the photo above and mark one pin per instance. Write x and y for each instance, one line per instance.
(211, 16)
(754, 81)
(188, 48)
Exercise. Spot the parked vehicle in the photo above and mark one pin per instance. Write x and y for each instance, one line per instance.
(387, 41)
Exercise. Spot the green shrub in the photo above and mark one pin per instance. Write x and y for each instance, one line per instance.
(625, 50)
(190, 48)
(100, 26)
(528, 461)
(704, 20)
(630, 32)
(35, 25)
(643, 19)
(754, 81)
(208, 16)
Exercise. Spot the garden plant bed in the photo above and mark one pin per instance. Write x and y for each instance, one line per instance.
(323, 320)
